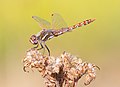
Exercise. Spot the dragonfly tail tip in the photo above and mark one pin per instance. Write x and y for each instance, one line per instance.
(94, 19)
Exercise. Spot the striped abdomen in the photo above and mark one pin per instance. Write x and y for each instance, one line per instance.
(63, 30)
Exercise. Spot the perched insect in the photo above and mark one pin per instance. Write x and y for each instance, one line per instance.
(57, 28)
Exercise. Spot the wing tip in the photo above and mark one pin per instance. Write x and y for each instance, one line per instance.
(52, 14)
(33, 16)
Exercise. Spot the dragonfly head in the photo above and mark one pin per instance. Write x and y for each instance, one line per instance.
(33, 40)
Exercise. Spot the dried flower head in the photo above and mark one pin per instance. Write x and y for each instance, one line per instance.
(63, 71)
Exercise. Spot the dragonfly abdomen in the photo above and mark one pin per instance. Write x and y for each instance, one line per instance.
(81, 24)
(63, 30)
(60, 31)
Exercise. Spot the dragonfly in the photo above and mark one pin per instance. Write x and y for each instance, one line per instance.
(54, 29)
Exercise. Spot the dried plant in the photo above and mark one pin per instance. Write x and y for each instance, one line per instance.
(63, 71)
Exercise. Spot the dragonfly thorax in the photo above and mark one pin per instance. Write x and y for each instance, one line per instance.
(45, 35)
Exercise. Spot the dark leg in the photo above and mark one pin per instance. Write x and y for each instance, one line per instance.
(41, 47)
(47, 49)
(36, 46)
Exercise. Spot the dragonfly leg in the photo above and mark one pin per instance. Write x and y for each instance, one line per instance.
(41, 47)
(36, 46)
(47, 49)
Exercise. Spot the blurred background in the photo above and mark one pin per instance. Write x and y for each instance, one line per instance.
(97, 43)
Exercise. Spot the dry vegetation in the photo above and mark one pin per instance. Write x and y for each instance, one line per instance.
(62, 71)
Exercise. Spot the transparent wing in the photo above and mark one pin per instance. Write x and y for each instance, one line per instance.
(58, 22)
(42, 23)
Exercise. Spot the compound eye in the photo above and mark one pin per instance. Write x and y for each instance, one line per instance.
(33, 39)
